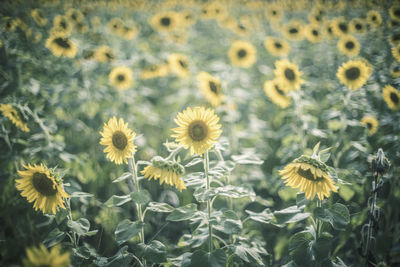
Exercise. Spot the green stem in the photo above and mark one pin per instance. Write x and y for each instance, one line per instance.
(209, 207)
(69, 217)
(371, 214)
(318, 230)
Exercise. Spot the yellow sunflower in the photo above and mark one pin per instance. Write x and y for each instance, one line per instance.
(104, 54)
(358, 25)
(187, 18)
(75, 16)
(61, 25)
(273, 12)
(210, 87)
(348, 45)
(394, 39)
(121, 77)
(217, 10)
(294, 30)
(313, 33)
(10, 112)
(242, 54)
(353, 74)
(371, 123)
(288, 75)
(178, 64)
(60, 45)
(315, 18)
(391, 97)
(118, 139)
(129, 32)
(328, 29)
(310, 175)
(39, 185)
(165, 21)
(395, 71)
(340, 27)
(198, 129)
(115, 25)
(396, 52)
(154, 71)
(394, 12)
(40, 256)
(38, 17)
(374, 18)
(166, 171)
(277, 96)
(276, 46)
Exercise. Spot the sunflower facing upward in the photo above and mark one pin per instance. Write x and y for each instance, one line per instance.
(118, 139)
(288, 75)
(210, 87)
(39, 185)
(198, 129)
(353, 74)
(121, 77)
(40, 256)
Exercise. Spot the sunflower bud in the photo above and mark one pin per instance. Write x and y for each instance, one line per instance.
(379, 163)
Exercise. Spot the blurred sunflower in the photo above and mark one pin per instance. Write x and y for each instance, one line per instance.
(210, 87)
(39, 185)
(394, 39)
(217, 10)
(178, 64)
(395, 71)
(315, 18)
(288, 75)
(353, 74)
(277, 96)
(340, 27)
(104, 54)
(118, 139)
(328, 29)
(242, 54)
(293, 30)
(187, 18)
(10, 25)
(273, 12)
(60, 45)
(391, 97)
(61, 25)
(38, 17)
(129, 32)
(165, 21)
(166, 171)
(75, 16)
(374, 18)
(40, 256)
(198, 129)
(154, 71)
(358, 25)
(393, 23)
(115, 25)
(394, 12)
(396, 52)
(276, 46)
(81, 27)
(121, 77)
(348, 45)
(371, 123)
(10, 112)
(310, 175)
(313, 33)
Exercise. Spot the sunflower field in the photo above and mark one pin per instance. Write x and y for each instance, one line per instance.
(200, 133)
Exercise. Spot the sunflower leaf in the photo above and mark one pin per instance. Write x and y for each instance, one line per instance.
(141, 197)
(183, 213)
(126, 230)
(123, 177)
(116, 201)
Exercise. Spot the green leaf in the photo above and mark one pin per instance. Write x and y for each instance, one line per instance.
(247, 159)
(159, 207)
(82, 252)
(290, 215)
(121, 258)
(126, 230)
(193, 162)
(300, 248)
(338, 215)
(80, 194)
(123, 177)
(200, 258)
(61, 215)
(142, 197)
(315, 149)
(155, 251)
(229, 223)
(322, 246)
(183, 213)
(54, 237)
(264, 217)
(203, 195)
(247, 254)
(116, 201)
(237, 191)
(346, 192)
(301, 199)
(81, 226)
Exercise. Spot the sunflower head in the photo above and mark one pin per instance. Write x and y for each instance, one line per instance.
(121, 77)
(313, 33)
(276, 94)
(348, 45)
(165, 21)
(198, 129)
(294, 30)
(38, 17)
(340, 27)
(288, 75)
(118, 139)
(178, 64)
(394, 12)
(62, 25)
(242, 54)
(276, 46)
(353, 74)
(9, 111)
(391, 97)
(60, 45)
(358, 25)
(104, 54)
(40, 256)
(374, 18)
(210, 87)
(371, 123)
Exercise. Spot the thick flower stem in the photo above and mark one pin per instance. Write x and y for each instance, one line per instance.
(318, 230)
(209, 207)
(371, 215)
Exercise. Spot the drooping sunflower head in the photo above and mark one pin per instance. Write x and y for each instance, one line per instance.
(61, 46)
(104, 54)
(353, 74)
(348, 45)
(153, 71)
(276, 46)
(129, 32)
(313, 33)
(118, 139)
(394, 12)
(198, 129)
(358, 25)
(277, 96)
(40, 256)
(38, 17)
(242, 54)
(165, 21)
(210, 87)
(287, 74)
(294, 30)
(61, 25)
(374, 18)
(121, 77)
(40, 185)
(391, 97)
(10, 112)
(371, 123)
(178, 64)
(310, 175)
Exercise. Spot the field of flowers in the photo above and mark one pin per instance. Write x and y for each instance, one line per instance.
(200, 133)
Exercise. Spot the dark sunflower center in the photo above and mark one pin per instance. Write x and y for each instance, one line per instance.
(217, 11)
(315, 32)
(307, 174)
(153, 68)
(396, 37)
(373, 18)
(349, 45)
(188, 17)
(242, 53)
(198, 130)
(274, 12)
(183, 64)
(73, 16)
(279, 91)
(88, 54)
(396, 69)
(397, 12)
(289, 74)
(278, 45)
(119, 140)
(293, 30)
(120, 77)
(63, 24)
(369, 125)
(165, 21)
(358, 26)
(109, 55)
(317, 18)
(62, 42)
(353, 73)
(394, 97)
(343, 27)
(330, 30)
(43, 184)
(214, 87)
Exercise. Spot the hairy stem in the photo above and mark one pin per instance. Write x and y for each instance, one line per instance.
(209, 206)
(371, 214)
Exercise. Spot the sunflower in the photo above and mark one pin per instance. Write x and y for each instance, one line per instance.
(154, 71)
(211, 88)
(187, 18)
(391, 97)
(276, 46)
(115, 25)
(178, 64)
(118, 139)
(371, 123)
(242, 54)
(216, 10)
(315, 18)
(340, 27)
(358, 25)
(165, 21)
(395, 71)
(353, 74)
(394, 39)
(129, 32)
(348, 45)
(40, 256)
(328, 29)
(396, 52)
(313, 33)
(75, 16)
(39, 185)
(277, 96)
(11, 113)
(38, 17)
(60, 45)
(310, 175)
(293, 30)
(121, 77)
(198, 129)
(104, 54)
(394, 12)
(374, 18)
(61, 25)
(273, 12)
(166, 171)
(288, 75)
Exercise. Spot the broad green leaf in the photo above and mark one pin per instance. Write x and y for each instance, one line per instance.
(116, 201)
(121, 258)
(338, 215)
(183, 213)
(203, 195)
(346, 192)
(247, 254)
(193, 162)
(82, 252)
(200, 258)
(61, 215)
(142, 197)
(54, 237)
(290, 215)
(81, 226)
(123, 177)
(264, 217)
(300, 248)
(159, 207)
(127, 229)
(322, 246)
(229, 223)
(155, 251)
(236, 191)
(301, 200)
